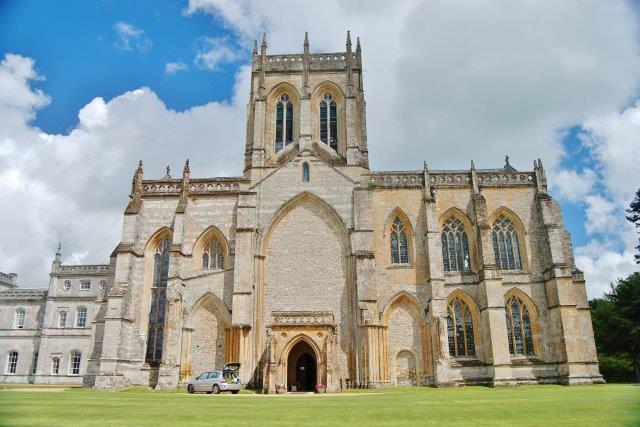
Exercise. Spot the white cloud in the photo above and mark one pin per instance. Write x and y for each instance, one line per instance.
(572, 185)
(214, 52)
(73, 188)
(131, 38)
(175, 67)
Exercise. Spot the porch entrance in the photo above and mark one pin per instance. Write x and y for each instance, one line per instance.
(302, 368)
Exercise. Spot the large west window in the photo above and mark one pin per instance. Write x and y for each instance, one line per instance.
(506, 246)
(157, 308)
(518, 327)
(455, 246)
(329, 121)
(460, 329)
(284, 122)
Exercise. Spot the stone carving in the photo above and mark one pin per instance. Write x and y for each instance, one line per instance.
(84, 269)
(286, 318)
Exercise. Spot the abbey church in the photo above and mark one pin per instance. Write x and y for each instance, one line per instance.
(310, 268)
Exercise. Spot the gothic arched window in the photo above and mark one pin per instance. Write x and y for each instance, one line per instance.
(506, 247)
(518, 327)
(399, 243)
(305, 172)
(158, 302)
(329, 121)
(284, 122)
(455, 246)
(213, 255)
(460, 329)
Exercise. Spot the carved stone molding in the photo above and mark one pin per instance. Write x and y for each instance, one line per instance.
(302, 318)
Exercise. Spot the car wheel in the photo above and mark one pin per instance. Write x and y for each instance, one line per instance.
(234, 391)
(190, 388)
(215, 389)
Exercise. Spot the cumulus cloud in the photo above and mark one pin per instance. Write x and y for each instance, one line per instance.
(175, 67)
(572, 185)
(73, 188)
(215, 52)
(131, 38)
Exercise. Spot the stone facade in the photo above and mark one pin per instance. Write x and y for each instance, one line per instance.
(293, 269)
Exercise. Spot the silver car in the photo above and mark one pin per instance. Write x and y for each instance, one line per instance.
(217, 381)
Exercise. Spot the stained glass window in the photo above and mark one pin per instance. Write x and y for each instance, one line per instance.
(399, 243)
(460, 329)
(284, 122)
(506, 246)
(158, 302)
(455, 246)
(518, 327)
(329, 121)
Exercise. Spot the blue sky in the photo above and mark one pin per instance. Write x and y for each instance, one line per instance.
(445, 82)
(78, 51)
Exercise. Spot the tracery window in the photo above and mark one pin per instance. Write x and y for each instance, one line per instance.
(12, 362)
(455, 246)
(155, 334)
(305, 172)
(518, 327)
(74, 363)
(18, 322)
(213, 255)
(399, 243)
(329, 121)
(81, 317)
(62, 319)
(460, 329)
(284, 122)
(55, 366)
(506, 247)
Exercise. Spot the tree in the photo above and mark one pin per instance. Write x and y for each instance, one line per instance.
(634, 217)
(616, 321)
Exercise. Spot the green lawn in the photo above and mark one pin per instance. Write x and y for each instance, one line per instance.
(530, 405)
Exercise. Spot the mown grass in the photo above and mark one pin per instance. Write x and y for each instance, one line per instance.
(530, 405)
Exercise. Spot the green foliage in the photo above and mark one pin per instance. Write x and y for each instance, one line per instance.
(522, 406)
(616, 325)
(634, 217)
(616, 369)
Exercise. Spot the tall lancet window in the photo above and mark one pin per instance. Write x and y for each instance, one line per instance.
(158, 302)
(455, 246)
(213, 255)
(284, 122)
(460, 329)
(329, 121)
(505, 244)
(399, 244)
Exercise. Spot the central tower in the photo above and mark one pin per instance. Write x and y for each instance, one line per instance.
(305, 101)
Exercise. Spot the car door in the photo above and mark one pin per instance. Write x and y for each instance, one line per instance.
(199, 383)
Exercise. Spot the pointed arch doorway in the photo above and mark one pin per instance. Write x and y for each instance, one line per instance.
(302, 367)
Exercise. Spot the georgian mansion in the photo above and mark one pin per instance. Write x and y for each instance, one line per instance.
(311, 268)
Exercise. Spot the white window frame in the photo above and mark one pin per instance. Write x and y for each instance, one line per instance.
(55, 365)
(18, 320)
(72, 356)
(85, 285)
(60, 317)
(15, 369)
(78, 311)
